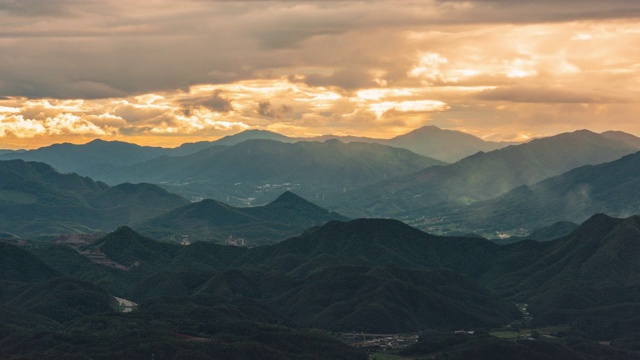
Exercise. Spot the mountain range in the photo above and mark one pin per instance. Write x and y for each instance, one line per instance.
(36, 200)
(256, 171)
(612, 188)
(429, 141)
(442, 189)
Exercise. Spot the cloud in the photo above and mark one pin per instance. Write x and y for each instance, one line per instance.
(529, 94)
(348, 79)
(267, 110)
(214, 102)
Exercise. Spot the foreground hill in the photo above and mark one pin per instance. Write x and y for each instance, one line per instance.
(43, 315)
(256, 171)
(593, 267)
(486, 175)
(612, 188)
(36, 200)
(212, 220)
(377, 275)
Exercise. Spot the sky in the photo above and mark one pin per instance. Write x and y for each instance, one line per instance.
(168, 72)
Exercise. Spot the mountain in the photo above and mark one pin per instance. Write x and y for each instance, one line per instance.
(211, 220)
(612, 188)
(44, 315)
(390, 299)
(379, 275)
(446, 145)
(441, 189)
(22, 266)
(594, 267)
(63, 299)
(192, 148)
(623, 137)
(252, 135)
(86, 159)
(37, 200)
(99, 156)
(256, 171)
(430, 141)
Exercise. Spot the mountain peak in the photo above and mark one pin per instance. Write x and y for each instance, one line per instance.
(288, 198)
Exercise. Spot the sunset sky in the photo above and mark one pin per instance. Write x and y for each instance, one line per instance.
(169, 72)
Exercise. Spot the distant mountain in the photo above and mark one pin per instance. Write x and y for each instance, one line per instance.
(192, 148)
(623, 137)
(86, 159)
(612, 188)
(252, 135)
(212, 220)
(446, 145)
(262, 169)
(99, 156)
(37, 200)
(484, 175)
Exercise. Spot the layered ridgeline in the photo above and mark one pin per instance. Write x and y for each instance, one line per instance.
(91, 158)
(211, 220)
(484, 175)
(611, 188)
(37, 200)
(256, 171)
